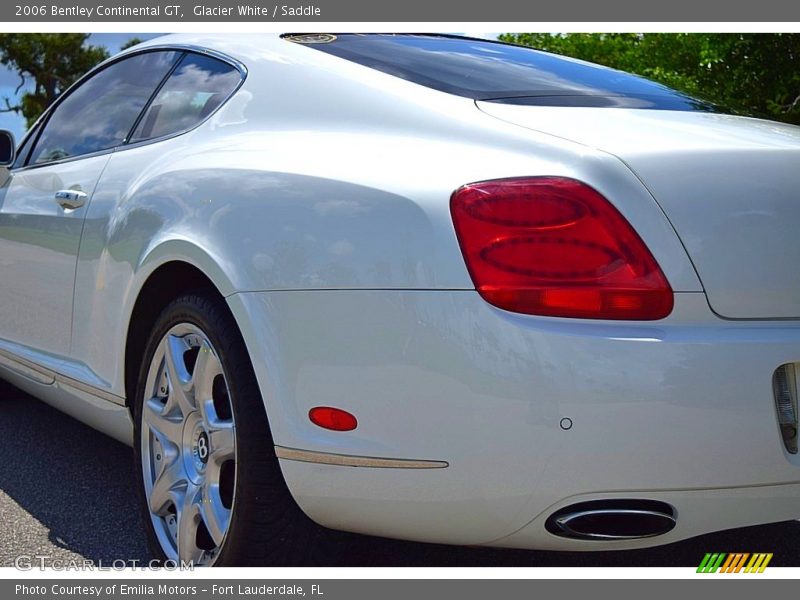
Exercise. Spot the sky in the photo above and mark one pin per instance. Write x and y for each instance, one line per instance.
(9, 79)
(112, 41)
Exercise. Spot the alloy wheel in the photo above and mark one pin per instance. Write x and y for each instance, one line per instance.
(188, 446)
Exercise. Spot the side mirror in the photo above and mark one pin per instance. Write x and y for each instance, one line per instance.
(8, 149)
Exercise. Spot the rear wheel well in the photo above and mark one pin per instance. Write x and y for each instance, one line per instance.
(164, 285)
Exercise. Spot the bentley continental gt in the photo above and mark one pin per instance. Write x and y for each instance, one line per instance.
(418, 286)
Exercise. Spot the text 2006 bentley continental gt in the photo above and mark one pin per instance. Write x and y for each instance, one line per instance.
(417, 286)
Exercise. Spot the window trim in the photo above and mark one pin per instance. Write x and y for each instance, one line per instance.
(84, 78)
(242, 76)
(182, 50)
(152, 97)
(33, 132)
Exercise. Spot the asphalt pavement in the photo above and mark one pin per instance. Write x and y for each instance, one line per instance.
(67, 492)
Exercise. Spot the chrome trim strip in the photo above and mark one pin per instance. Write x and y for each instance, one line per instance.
(89, 389)
(345, 460)
(26, 368)
(31, 370)
(179, 47)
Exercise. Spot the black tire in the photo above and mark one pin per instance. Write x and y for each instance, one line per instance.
(267, 527)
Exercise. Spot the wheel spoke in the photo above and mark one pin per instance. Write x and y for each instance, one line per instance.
(222, 440)
(166, 487)
(180, 388)
(165, 428)
(188, 521)
(206, 369)
(214, 514)
(211, 420)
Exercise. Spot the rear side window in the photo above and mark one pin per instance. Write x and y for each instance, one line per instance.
(197, 87)
(493, 71)
(100, 113)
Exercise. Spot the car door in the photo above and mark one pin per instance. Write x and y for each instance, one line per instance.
(44, 200)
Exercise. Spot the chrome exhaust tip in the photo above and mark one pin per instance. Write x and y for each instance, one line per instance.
(616, 519)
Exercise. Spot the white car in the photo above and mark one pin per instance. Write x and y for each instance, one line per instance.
(416, 286)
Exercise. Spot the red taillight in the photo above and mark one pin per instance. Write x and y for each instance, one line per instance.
(332, 418)
(554, 246)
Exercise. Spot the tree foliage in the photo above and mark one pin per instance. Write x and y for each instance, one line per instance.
(749, 73)
(51, 61)
(131, 43)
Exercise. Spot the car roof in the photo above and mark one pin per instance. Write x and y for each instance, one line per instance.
(247, 47)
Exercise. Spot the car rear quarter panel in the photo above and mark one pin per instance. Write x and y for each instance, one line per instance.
(286, 188)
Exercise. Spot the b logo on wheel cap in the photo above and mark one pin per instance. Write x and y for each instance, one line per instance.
(202, 447)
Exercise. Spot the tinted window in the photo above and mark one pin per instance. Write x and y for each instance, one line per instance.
(22, 151)
(485, 70)
(193, 91)
(101, 112)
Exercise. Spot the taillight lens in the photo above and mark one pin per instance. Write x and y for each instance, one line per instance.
(554, 246)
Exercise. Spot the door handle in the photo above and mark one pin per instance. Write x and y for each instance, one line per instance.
(71, 199)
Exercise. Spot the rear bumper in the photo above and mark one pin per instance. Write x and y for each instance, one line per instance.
(679, 410)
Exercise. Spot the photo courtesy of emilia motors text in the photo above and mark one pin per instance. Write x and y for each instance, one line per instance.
(344, 299)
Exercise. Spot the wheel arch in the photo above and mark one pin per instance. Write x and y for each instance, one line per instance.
(169, 270)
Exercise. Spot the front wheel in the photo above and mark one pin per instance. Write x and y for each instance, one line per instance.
(210, 485)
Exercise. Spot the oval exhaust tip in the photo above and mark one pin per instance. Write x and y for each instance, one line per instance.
(616, 519)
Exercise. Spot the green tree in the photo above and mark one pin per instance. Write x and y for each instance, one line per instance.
(52, 61)
(750, 73)
(130, 43)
